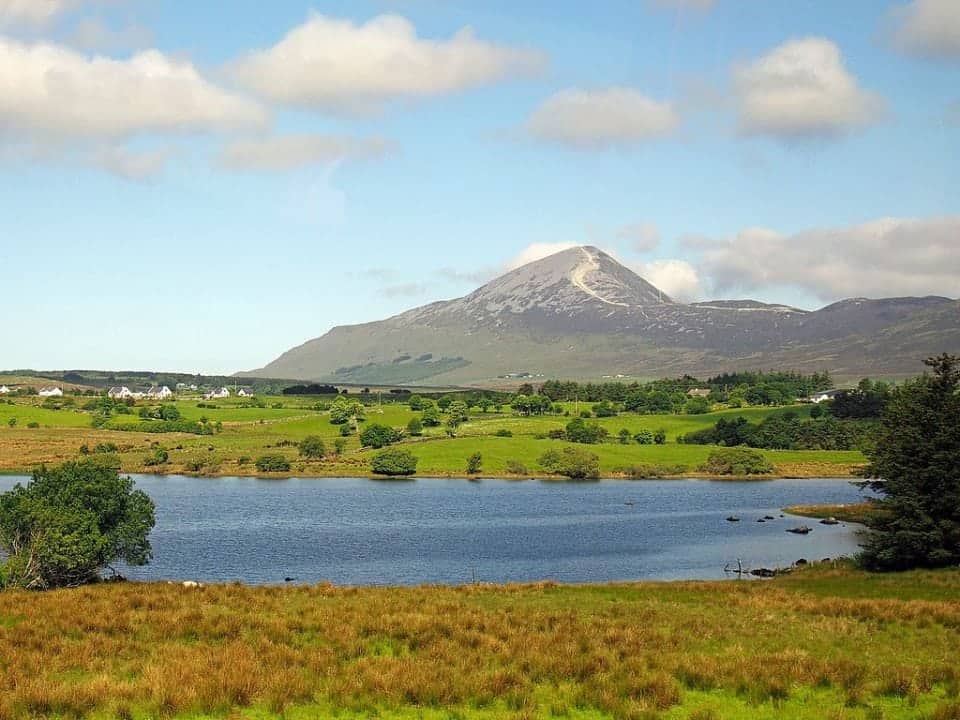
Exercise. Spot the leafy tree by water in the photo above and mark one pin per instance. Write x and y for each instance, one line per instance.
(71, 522)
(736, 461)
(394, 462)
(273, 463)
(474, 464)
(915, 466)
(571, 462)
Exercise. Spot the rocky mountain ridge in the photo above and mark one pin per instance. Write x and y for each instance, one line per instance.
(580, 313)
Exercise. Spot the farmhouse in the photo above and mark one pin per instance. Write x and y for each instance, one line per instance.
(822, 396)
(217, 394)
(159, 393)
(50, 392)
(119, 393)
(4, 390)
(246, 392)
(699, 392)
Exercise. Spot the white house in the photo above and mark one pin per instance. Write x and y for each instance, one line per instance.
(246, 392)
(119, 393)
(217, 394)
(50, 392)
(823, 396)
(159, 393)
(4, 390)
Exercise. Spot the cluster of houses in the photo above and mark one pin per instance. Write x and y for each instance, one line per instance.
(45, 392)
(224, 392)
(154, 393)
(164, 393)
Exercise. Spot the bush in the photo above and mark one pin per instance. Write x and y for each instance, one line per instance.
(312, 447)
(624, 436)
(503, 432)
(660, 437)
(377, 436)
(557, 434)
(415, 427)
(159, 457)
(33, 425)
(736, 461)
(394, 462)
(431, 416)
(474, 464)
(273, 463)
(346, 431)
(644, 437)
(580, 432)
(648, 471)
(12, 422)
(105, 448)
(571, 462)
(515, 467)
(69, 523)
(605, 409)
(339, 445)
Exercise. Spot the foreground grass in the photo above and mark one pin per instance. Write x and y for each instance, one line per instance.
(825, 643)
(249, 432)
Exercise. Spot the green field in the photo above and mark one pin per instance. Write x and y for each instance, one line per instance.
(826, 642)
(250, 432)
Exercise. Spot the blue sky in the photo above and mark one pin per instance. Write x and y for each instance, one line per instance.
(200, 186)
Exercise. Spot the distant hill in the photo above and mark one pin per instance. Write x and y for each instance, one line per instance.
(581, 314)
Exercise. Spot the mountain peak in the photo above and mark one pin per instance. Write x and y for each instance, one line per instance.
(568, 281)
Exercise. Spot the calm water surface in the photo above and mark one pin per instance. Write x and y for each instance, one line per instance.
(369, 532)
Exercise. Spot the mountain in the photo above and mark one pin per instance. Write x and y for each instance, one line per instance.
(581, 314)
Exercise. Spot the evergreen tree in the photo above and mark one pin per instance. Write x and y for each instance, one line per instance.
(915, 467)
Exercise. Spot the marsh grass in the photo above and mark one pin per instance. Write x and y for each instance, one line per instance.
(829, 642)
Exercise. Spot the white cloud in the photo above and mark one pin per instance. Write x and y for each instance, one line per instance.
(48, 90)
(596, 119)
(31, 12)
(929, 28)
(336, 65)
(677, 278)
(91, 34)
(282, 153)
(802, 89)
(644, 237)
(538, 251)
(882, 258)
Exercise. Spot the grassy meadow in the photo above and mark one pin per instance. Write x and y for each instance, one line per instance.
(826, 642)
(250, 432)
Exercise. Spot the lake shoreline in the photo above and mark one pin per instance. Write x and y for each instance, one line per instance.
(819, 473)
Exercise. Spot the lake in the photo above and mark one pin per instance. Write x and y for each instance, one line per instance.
(372, 532)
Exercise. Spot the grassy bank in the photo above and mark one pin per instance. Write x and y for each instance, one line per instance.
(250, 432)
(854, 513)
(829, 642)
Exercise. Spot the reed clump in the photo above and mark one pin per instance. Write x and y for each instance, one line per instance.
(857, 645)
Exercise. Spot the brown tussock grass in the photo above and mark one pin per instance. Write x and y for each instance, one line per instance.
(628, 651)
